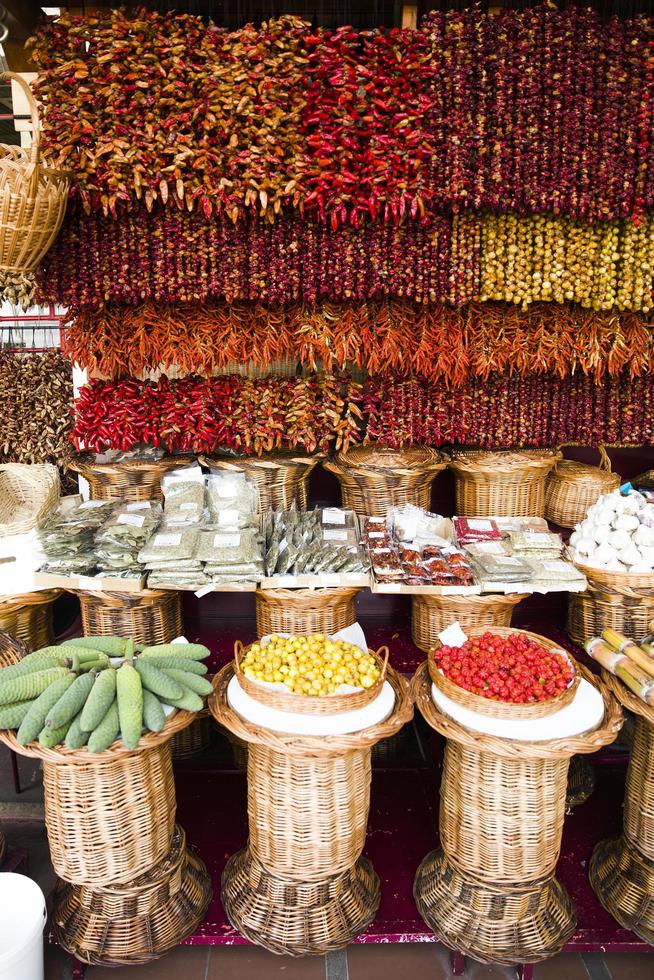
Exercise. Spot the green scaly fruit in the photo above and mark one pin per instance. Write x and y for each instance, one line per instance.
(99, 700)
(50, 736)
(71, 702)
(34, 720)
(11, 715)
(129, 692)
(154, 717)
(178, 663)
(107, 731)
(194, 651)
(200, 685)
(76, 737)
(156, 681)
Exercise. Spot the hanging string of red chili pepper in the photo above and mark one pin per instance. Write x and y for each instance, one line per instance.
(529, 111)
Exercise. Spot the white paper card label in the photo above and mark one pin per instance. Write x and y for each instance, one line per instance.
(376, 520)
(506, 560)
(166, 540)
(453, 636)
(537, 537)
(376, 534)
(227, 518)
(334, 535)
(332, 515)
(478, 525)
(135, 520)
(189, 505)
(88, 583)
(91, 504)
(225, 490)
(226, 540)
(138, 505)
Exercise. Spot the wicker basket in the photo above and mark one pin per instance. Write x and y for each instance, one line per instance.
(489, 890)
(28, 493)
(301, 885)
(305, 611)
(148, 617)
(625, 582)
(29, 617)
(281, 478)
(373, 479)
(139, 922)
(131, 480)
(11, 649)
(600, 607)
(505, 709)
(622, 871)
(192, 740)
(498, 484)
(573, 487)
(331, 704)
(33, 198)
(431, 614)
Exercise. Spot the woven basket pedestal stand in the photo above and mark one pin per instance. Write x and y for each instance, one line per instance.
(600, 607)
(489, 890)
(621, 870)
(111, 828)
(300, 885)
(28, 617)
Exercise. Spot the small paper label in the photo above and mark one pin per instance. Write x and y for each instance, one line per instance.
(91, 504)
(89, 583)
(166, 540)
(135, 520)
(227, 518)
(453, 636)
(334, 535)
(139, 505)
(479, 525)
(205, 591)
(506, 560)
(225, 491)
(538, 537)
(226, 540)
(332, 515)
(376, 534)
(189, 505)
(376, 520)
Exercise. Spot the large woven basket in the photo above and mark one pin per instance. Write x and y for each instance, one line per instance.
(29, 617)
(192, 740)
(431, 614)
(305, 611)
(572, 488)
(140, 921)
(32, 198)
(331, 704)
(373, 478)
(619, 581)
(627, 611)
(131, 480)
(502, 484)
(504, 709)
(281, 479)
(28, 493)
(148, 617)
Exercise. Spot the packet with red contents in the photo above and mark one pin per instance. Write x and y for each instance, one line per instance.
(469, 530)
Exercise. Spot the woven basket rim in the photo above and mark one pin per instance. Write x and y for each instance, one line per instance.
(561, 748)
(309, 597)
(455, 602)
(572, 471)
(383, 458)
(84, 462)
(627, 698)
(479, 461)
(266, 461)
(29, 598)
(331, 704)
(61, 755)
(310, 745)
(617, 581)
(504, 709)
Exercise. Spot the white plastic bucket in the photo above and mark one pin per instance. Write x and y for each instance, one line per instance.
(22, 918)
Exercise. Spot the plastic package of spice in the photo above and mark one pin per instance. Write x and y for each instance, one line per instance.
(67, 537)
(233, 499)
(184, 496)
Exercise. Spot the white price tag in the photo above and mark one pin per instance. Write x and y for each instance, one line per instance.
(189, 505)
(537, 537)
(332, 515)
(476, 524)
(92, 504)
(226, 540)
(331, 534)
(92, 584)
(166, 540)
(376, 520)
(376, 534)
(225, 490)
(507, 560)
(135, 520)
(138, 505)
(453, 636)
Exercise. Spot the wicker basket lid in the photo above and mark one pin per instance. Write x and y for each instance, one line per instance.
(573, 472)
(479, 461)
(384, 458)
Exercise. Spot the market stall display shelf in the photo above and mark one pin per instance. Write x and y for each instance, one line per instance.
(622, 869)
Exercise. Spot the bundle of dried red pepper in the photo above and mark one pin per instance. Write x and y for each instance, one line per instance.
(503, 411)
(533, 110)
(231, 412)
(435, 342)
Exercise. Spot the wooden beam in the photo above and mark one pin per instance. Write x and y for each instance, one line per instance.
(410, 16)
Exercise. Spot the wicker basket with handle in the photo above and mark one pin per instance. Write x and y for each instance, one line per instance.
(153, 616)
(33, 198)
(29, 617)
(502, 484)
(572, 488)
(330, 704)
(281, 479)
(301, 886)
(621, 870)
(131, 480)
(489, 890)
(504, 709)
(431, 614)
(28, 493)
(373, 478)
(600, 607)
(305, 611)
